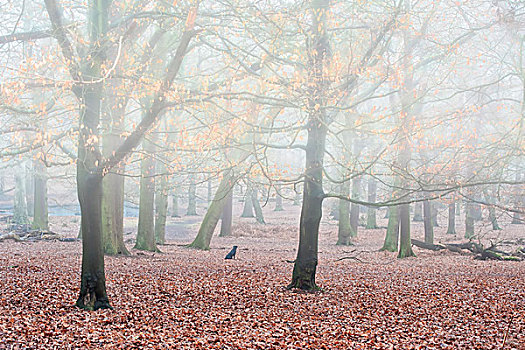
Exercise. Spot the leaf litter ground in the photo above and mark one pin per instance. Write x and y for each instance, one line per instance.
(188, 299)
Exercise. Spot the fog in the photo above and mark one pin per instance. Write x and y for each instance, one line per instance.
(124, 115)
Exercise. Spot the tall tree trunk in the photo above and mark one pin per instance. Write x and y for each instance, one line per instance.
(192, 199)
(40, 214)
(451, 229)
(209, 194)
(371, 220)
(492, 211)
(429, 228)
(418, 212)
(344, 230)
(247, 211)
(278, 199)
(20, 216)
(257, 207)
(146, 227)
(161, 206)
(214, 212)
(469, 220)
(354, 207)
(405, 243)
(392, 231)
(435, 213)
(305, 266)
(226, 219)
(30, 188)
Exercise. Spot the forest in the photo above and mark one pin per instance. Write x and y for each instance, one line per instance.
(262, 174)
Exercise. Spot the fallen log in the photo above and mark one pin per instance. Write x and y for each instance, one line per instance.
(429, 246)
(12, 236)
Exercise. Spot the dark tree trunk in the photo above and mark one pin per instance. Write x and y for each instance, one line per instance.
(214, 212)
(247, 211)
(405, 244)
(451, 230)
(192, 199)
(257, 207)
(371, 220)
(429, 228)
(226, 220)
(303, 276)
(418, 212)
(40, 214)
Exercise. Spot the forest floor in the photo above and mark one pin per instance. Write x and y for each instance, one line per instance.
(189, 299)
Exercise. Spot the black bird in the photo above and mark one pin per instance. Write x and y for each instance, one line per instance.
(232, 252)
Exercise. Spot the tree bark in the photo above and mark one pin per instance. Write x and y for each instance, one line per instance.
(257, 207)
(161, 206)
(278, 199)
(418, 212)
(20, 216)
(469, 220)
(451, 229)
(247, 211)
(192, 199)
(226, 219)
(146, 227)
(305, 266)
(405, 245)
(429, 228)
(40, 214)
(392, 231)
(354, 207)
(209, 223)
(343, 227)
(371, 219)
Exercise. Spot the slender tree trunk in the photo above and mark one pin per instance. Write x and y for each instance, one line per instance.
(278, 199)
(192, 199)
(469, 220)
(429, 228)
(435, 213)
(161, 206)
(451, 230)
(371, 221)
(20, 216)
(344, 229)
(226, 220)
(209, 194)
(40, 214)
(354, 207)
(146, 228)
(257, 207)
(392, 231)
(418, 212)
(203, 239)
(305, 266)
(492, 211)
(30, 189)
(247, 211)
(405, 243)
